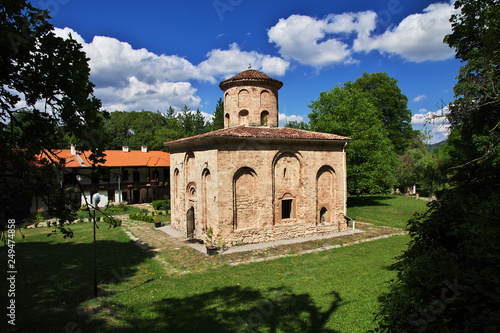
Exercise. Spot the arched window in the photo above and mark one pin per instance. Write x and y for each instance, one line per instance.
(226, 120)
(322, 215)
(264, 115)
(175, 192)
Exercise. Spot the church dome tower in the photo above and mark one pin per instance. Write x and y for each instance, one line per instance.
(251, 99)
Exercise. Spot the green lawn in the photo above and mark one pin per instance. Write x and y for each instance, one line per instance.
(384, 210)
(330, 291)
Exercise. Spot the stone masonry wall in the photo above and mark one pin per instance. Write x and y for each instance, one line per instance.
(254, 100)
(237, 188)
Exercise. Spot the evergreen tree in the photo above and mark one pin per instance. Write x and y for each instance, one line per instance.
(217, 121)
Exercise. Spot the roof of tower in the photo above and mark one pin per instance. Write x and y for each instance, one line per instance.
(251, 75)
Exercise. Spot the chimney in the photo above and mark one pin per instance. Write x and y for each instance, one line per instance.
(73, 149)
(144, 149)
(125, 149)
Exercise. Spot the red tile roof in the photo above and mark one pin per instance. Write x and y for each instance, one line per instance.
(250, 75)
(243, 131)
(118, 158)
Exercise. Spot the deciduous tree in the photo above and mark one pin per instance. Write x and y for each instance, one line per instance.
(48, 77)
(447, 280)
(392, 105)
(371, 159)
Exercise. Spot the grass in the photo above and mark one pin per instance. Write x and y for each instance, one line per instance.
(329, 291)
(389, 210)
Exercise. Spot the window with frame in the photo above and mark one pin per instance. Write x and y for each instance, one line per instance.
(286, 208)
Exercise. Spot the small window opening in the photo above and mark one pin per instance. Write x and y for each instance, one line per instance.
(263, 118)
(322, 215)
(284, 173)
(228, 123)
(286, 208)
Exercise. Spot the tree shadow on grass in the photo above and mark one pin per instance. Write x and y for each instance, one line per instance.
(363, 201)
(228, 309)
(53, 279)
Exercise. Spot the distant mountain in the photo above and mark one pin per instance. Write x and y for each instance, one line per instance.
(437, 145)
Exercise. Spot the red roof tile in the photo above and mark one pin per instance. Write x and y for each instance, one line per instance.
(243, 131)
(250, 75)
(118, 158)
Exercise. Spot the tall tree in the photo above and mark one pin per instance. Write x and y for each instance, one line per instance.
(172, 129)
(217, 121)
(191, 123)
(387, 97)
(51, 75)
(447, 279)
(371, 159)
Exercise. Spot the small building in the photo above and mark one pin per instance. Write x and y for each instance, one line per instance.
(134, 176)
(254, 181)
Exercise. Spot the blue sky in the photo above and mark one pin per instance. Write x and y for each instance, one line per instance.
(154, 54)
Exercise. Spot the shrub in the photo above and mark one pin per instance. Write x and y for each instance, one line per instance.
(161, 204)
(113, 222)
(141, 217)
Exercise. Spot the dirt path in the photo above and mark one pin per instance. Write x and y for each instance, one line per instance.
(179, 258)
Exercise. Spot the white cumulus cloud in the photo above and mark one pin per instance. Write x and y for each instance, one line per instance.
(232, 61)
(134, 79)
(283, 119)
(337, 38)
(317, 42)
(418, 38)
(434, 121)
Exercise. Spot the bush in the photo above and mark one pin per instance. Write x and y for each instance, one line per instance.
(161, 204)
(121, 207)
(141, 217)
(113, 222)
(447, 279)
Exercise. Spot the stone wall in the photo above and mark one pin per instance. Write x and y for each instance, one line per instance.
(238, 186)
(247, 105)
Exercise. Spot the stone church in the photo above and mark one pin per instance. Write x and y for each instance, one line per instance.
(253, 181)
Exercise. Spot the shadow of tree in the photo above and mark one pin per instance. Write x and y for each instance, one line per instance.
(229, 309)
(362, 201)
(53, 279)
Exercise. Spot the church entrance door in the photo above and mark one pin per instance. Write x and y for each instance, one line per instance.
(190, 222)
